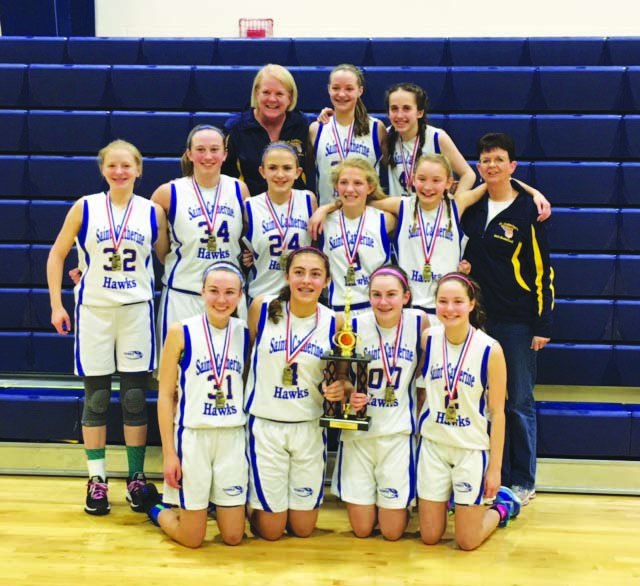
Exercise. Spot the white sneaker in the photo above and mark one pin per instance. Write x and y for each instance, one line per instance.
(524, 494)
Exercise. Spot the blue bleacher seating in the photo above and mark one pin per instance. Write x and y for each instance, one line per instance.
(582, 89)
(47, 218)
(578, 183)
(583, 430)
(631, 125)
(630, 194)
(33, 49)
(217, 119)
(13, 175)
(634, 449)
(576, 137)
(15, 220)
(628, 276)
(103, 50)
(627, 364)
(492, 89)
(629, 230)
(73, 132)
(67, 177)
(150, 87)
(225, 88)
(466, 130)
(67, 87)
(380, 79)
(192, 51)
(52, 352)
(331, 51)
(567, 51)
(627, 321)
(577, 364)
(14, 352)
(523, 171)
(156, 171)
(570, 325)
(409, 52)
(14, 135)
(15, 268)
(36, 265)
(255, 52)
(16, 312)
(55, 411)
(584, 275)
(503, 52)
(13, 85)
(154, 133)
(583, 229)
(623, 50)
(40, 308)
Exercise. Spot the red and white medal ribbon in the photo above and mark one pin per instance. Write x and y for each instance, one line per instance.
(217, 367)
(282, 230)
(210, 220)
(350, 253)
(428, 246)
(451, 382)
(290, 349)
(389, 369)
(408, 166)
(117, 232)
(342, 153)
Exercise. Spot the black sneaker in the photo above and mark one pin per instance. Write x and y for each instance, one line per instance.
(97, 497)
(149, 498)
(134, 486)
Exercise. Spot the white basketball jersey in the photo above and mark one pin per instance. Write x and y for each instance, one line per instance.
(398, 174)
(472, 424)
(267, 275)
(102, 284)
(373, 251)
(188, 256)
(196, 406)
(446, 253)
(328, 153)
(399, 417)
(268, 395)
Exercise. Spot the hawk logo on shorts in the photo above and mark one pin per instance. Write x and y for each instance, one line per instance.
(463, 487)
(134, 354)
(233, 490)
(303, 491)
(390, 493)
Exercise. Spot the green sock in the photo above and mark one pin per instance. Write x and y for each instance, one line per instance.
(135, 459)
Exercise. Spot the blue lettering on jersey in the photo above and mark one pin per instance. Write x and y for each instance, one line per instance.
(129, 234)
(337, 241)
(217, 255)
(274, 265)
(404, 353)
(375, 402)
(213, 411)
(466, 378)
(460, 422)
(281, 393)
(270, 225)
(223, 210)
(310, 348)
(354, 148)
(109, 283)
(203, 366)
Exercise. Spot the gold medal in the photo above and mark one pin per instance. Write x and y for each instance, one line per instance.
(221, 400)
(451, 415)
(287, 376)
(350, 279)
(116, 262)
(389, 395)
(212, 245)
(283, 261)
(426, 273)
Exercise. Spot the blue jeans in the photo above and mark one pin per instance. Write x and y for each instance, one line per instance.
(519, 457)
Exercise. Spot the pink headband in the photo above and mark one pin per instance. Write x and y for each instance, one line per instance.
(391, 271)
(460, 277)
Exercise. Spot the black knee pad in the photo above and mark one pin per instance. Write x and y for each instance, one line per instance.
(133, 387)
(97, 394)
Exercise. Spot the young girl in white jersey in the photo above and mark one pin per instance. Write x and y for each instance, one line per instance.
(428, 240)
(462, 421)
(350, 132)
(203, 436)
(205, 210)
(375, 469)
(410, 136)
(114, 233)
(277, 220)
(287, 447)
(356, 239)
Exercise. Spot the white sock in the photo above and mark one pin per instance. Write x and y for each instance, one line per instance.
(97, 468)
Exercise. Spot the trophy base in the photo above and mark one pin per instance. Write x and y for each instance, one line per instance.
(354, 423)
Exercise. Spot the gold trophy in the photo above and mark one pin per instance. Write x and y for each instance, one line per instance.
(336, 414)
